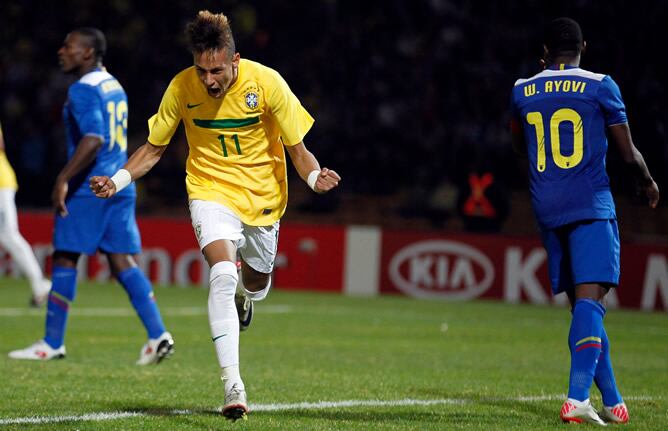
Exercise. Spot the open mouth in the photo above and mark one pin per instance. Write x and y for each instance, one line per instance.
(214, 92)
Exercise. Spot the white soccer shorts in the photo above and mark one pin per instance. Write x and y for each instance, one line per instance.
(257, 245)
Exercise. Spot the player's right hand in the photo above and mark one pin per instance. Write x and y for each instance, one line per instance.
(102, 186)
(327, 180)
(58, 196)
(652, 193)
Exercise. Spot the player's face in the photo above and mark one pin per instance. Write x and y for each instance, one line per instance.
(217, 70)
(73, 53)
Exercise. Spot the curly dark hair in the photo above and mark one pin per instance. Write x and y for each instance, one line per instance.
(209, 31)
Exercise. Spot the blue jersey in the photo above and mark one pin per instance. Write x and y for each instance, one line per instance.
(564, 113)
(97, 106)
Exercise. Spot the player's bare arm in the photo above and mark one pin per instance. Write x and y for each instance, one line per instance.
(138, 165)
(620, 134)
(306, 163)
(83, 156)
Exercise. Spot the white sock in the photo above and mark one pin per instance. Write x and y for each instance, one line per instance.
(223, 318)
(18, 248)
(260, 294)
(231, 376)
(578, 403)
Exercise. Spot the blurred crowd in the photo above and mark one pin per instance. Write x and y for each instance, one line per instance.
(410, 98)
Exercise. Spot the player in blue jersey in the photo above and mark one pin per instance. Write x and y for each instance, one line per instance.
(95, 116)
(561, 118)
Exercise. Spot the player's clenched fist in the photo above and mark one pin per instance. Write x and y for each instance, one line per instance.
(102, 186)
(326, 180)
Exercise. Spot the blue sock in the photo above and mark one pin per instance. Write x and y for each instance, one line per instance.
(584, 341)
(63, 291)
(605, 377)
(141, 295)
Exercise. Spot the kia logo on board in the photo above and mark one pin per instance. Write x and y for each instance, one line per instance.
(441, 269)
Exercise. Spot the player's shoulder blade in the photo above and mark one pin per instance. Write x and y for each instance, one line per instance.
(103, 82)
(95, 78)
(582, 73)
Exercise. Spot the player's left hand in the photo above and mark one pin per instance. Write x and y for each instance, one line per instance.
(327, 180)
(58, 196)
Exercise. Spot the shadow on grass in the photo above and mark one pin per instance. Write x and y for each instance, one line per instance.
(380, 415)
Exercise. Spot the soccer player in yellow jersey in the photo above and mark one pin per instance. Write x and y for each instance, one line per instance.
(239, 116)
(10, 237)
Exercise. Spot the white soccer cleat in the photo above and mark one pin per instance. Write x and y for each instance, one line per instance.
(575, 411)
(617, 414)
(40, 297)
(40, 351)
(236, 405)
(155, 350)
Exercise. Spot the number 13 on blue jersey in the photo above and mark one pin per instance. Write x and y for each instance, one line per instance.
(118, 124)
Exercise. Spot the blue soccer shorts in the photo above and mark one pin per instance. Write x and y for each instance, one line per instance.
(582, 252)
(108, 225)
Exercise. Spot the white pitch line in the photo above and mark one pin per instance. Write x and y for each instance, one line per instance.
(353, 403)
(89, 417)
(108, 416)
(128, 312)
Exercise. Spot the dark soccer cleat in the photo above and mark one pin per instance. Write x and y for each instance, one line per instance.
(244, 310)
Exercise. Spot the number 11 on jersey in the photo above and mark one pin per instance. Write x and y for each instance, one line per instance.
(235, 138)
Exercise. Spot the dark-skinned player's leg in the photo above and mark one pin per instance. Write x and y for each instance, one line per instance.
(584, 342)
(62, 294)
(160, 344)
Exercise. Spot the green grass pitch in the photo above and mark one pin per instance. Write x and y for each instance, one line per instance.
(472, 366)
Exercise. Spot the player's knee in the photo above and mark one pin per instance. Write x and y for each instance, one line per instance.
(120, 262)
(593, 291)
(253, 280)
(8, 237)
(257, 284)
(65, 259)
(223, 279)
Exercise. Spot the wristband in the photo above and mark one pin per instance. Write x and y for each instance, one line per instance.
(312, 178)
(121, 179)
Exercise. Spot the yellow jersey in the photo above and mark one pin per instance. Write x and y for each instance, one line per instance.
(236, 154)
(7, 176)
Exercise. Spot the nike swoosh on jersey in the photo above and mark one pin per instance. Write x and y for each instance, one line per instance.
(189, 106)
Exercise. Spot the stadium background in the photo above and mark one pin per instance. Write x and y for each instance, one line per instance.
(407, 95)
(410, 98)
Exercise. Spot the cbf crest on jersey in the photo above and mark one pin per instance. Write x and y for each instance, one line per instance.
(252, 100)
(198, 231)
